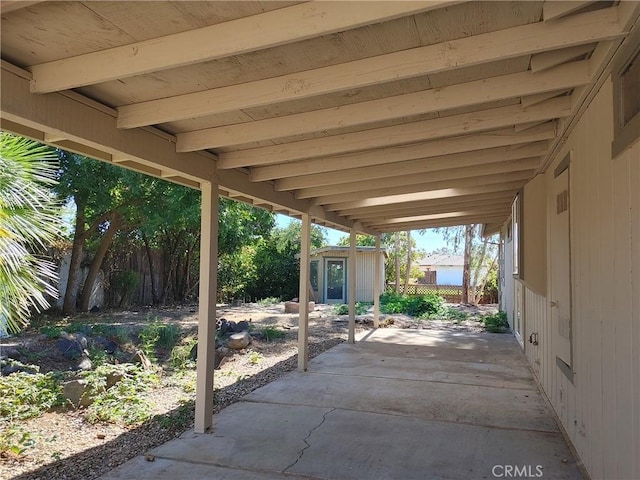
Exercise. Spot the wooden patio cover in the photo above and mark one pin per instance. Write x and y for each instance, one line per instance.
(362, 116)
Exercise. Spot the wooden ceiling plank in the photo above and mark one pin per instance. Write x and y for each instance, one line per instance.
(235, 37)
(531, 100)
(521, 127)
(447, 193)
(444, 222)
(377, 222)
(401, 153)
(499, 45)
(546, 60)
(398, 134)
(7, 6)
(411, 167)
(410, 211)
(556, 9)
(423, 178)
(452, 186)
(427, 205)
(399, 106)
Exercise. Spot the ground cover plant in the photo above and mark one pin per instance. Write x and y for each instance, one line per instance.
(421, 306)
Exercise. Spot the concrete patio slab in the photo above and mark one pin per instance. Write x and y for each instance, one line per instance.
(399, 404)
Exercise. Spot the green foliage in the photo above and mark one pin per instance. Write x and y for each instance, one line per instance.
(14, 441)
(497, 323)
(255, 357)
(266, 302)
(343, 309)
(124, 284)
(271, 333)
(51, 331)
(361, 240)
(124, 403)
(157, 336)
(29, 219)
(455, 314)
(181, 354)
(424, 306)
(24, 395)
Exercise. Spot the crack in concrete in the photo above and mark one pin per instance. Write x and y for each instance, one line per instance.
(307, 445)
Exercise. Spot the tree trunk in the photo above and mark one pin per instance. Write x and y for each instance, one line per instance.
(154, 286)
(70, 295)
(397, 285)
(407, 277)
(468, 237)
(475, 294)
(96, 263)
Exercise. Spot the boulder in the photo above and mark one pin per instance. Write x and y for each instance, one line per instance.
(85, 364)
(113, 378)
(78, 393)
(294, 307)
(242, 326)
(220, 356)
(238, 341)
(108, 346)
(69, 348)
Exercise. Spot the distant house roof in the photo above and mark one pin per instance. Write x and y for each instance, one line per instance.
(433, 260)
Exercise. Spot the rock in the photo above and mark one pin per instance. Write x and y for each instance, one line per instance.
(242, 326)
(78, 393)
(224, 326)
(82, 340)
(69, 348)
(85, 364)
(221, 354)
(114, 378)
(294, 307)
(95, 309)
(238, 341)
(141, 358)
(108, 346)
(12, 353)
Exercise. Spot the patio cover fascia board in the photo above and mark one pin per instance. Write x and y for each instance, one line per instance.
(69, 120)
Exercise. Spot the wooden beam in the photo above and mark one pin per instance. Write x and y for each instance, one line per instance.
(546, 60)
(423, 179)
(445, 222)
(473, 50)
(7, 6)
(411, 211)
(235, 37)
(450, 188)
(400, 153)
(398, 134)
(378, 222)
(414, 167)
(390, 108)
(532, 100)
(429, 204)
(556, 9)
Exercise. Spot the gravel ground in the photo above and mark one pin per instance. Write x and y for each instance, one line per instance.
(67, 447)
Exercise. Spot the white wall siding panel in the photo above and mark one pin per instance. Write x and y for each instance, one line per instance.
(600, 409)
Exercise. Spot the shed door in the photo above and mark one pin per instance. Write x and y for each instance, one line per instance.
(334, 283)
(561, 266)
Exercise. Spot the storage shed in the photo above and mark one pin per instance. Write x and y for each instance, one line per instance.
(329, 277)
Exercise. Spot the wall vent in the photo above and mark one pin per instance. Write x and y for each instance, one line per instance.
(562, 202)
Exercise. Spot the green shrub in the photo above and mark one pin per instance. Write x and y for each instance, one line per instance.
(158, 335)
(272, 333)
(266, 302)
(343, 309)
(497, 323)
(124, 403)
(27, 395)
(181, 354)
(423, 306)
(14, 441)
(455, 314)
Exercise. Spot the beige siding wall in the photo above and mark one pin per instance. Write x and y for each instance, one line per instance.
(600, 410)
(534, 252)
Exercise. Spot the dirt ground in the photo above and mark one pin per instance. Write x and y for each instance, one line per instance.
(64, 446)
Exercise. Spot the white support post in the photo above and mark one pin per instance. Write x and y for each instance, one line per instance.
(352, 287)
(303, 297)
(207, 307)
(377, 280)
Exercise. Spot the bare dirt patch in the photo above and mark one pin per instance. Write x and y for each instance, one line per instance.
(63, 445)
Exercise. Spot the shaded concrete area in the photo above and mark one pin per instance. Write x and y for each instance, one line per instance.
(399, 404)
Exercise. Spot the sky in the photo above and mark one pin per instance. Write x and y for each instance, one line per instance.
(428, 241)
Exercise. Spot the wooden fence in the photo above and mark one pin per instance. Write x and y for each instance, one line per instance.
(451, 293)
